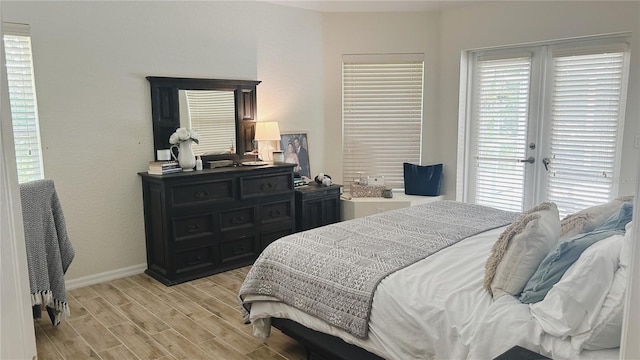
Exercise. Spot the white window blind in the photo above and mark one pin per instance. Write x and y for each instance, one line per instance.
(382, 115)
(212, 115)
(501, 103)
(584, 129)
(22, 99)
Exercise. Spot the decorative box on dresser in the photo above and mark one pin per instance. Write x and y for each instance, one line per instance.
(204, 222)
(317, 205)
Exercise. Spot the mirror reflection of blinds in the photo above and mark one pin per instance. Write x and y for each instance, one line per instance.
(501, 111)
(212, 115)
(382, 115)
(584, 128)
(22, 100)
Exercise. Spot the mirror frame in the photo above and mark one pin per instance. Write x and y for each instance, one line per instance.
(165, 109)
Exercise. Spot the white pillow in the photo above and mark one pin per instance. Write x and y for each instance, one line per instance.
(625, 253)
(608, 326)
(588, 219)
(528, 241)
(572, 305)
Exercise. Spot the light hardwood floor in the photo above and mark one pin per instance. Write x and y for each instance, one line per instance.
(139, 318)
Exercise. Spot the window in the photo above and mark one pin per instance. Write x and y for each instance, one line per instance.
(544, 124)
(501, 113)
(22, 99)
(585, 123)
(382, 115)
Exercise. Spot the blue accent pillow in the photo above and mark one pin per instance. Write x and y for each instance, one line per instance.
(619, 220)
(557, 262)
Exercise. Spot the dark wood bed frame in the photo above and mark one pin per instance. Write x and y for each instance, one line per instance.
(321, 346)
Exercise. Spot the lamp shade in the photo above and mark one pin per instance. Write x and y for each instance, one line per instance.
(267, 130)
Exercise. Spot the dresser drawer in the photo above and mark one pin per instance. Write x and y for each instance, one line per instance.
(320, 193)
(276, 211)
(255, 186)
(237, 218)
(191, 227)
(238, 248)
(199, 192)
(195, 259)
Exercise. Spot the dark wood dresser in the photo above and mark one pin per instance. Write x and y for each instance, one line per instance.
(317, 205)
(204, 222)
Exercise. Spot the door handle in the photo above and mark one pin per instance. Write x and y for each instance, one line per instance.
(546, 163)
(529, 160)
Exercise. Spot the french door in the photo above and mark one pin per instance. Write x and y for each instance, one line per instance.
(543, 124)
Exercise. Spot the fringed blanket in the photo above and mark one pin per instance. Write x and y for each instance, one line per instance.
(49, 252)
(332, 272)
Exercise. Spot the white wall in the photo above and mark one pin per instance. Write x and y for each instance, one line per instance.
(290, 67)
(91, 59)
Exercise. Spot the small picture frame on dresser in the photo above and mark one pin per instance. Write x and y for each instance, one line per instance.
(296, 151)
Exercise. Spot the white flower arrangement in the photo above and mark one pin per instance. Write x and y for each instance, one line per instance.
(183, 134)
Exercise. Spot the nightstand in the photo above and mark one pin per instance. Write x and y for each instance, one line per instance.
(317, 205)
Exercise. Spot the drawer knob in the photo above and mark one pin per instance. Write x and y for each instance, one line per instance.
(237, 219)
(194, 260)
(267, 186)
(193, 228)
(274, 213)
(201, 195)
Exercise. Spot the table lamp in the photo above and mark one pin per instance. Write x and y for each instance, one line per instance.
(267, 131)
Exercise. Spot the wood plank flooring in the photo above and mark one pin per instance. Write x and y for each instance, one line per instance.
(139, 318)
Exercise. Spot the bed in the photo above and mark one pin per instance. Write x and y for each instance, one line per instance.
(436, 303)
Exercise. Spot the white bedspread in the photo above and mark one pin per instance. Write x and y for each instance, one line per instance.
(437, 309)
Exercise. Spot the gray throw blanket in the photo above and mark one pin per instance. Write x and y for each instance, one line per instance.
(49, 252)
(332, 272)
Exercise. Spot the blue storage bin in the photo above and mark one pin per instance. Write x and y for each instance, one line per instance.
(422, 180)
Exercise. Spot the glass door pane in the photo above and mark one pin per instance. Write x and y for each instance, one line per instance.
(500, 122)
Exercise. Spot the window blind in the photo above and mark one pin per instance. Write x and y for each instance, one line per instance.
(584, 129)
(382, 115)
(500, 110)
(213, 117)
(22, 99)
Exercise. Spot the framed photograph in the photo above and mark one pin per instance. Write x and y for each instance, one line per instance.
(296, 151)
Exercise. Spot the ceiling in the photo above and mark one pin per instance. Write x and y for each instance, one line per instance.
(371, 6)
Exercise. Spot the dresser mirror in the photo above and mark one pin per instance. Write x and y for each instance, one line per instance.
(221, 111)
(212, 114)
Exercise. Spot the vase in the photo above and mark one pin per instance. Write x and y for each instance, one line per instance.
(186, 159)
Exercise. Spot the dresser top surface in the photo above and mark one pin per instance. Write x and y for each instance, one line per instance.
(221, 170)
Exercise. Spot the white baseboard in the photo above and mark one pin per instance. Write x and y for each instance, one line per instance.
(105, 276)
